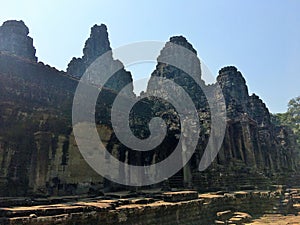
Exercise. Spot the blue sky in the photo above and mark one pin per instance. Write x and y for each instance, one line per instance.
(261, 38)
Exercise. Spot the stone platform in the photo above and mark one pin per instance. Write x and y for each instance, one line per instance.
(167, 208)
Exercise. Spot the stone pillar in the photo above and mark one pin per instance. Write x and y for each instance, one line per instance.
(187, 173)
(248, 152)
(5, 160)
(40, 163)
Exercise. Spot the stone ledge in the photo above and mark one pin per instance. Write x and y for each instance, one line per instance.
(183, 207)
(180, 196)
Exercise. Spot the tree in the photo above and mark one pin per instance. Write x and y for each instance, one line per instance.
(291, 118)
(293, 115)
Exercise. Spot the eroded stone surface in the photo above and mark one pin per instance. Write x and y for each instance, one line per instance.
(95, 211)
(276, 220)
(14, 40)
(95, 46)
(180, 196)
(38, 151)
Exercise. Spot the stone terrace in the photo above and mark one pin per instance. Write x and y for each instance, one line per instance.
(148, 207)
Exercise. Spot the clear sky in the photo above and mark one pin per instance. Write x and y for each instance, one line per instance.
(261, 38)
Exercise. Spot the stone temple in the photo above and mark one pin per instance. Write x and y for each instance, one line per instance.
(39, 155)
(40, 161)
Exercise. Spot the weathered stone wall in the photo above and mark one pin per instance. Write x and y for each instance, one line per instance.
(39, 156)
(14, 39)
(38, 153)
(253, 150)
(199, 210)
(95, 46)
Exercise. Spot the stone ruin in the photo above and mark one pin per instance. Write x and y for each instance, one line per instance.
(14, 39)
(39, 155)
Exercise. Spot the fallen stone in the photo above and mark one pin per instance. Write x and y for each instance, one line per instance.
(142, 201)
(241, 194)
(225, 215)
(297, 207)
(219, 222)
(32, 216)
(244, 216)
(236, 220)
(221, 192)
(296, 199)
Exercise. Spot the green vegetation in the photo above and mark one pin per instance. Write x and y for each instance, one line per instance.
(291, 118)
